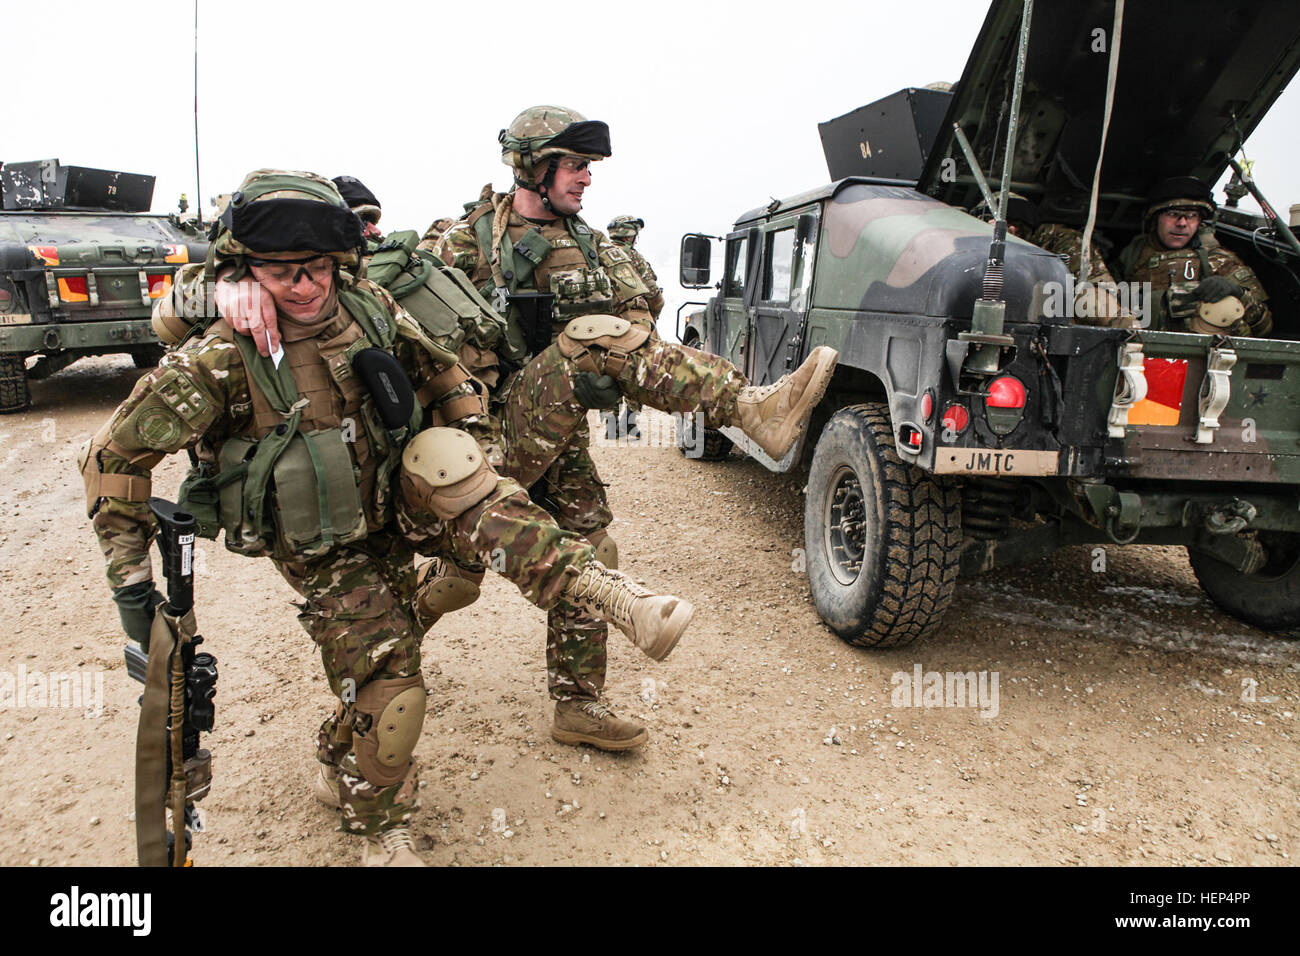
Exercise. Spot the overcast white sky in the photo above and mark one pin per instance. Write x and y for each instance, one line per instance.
(713, 107)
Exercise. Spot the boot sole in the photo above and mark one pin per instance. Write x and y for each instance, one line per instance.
(673, 630)
(817, 385)
(573, 737)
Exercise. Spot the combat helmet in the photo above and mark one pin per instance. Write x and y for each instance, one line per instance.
(625, 228)
(287, 211)
(1180, 192)
(540, 135)
(273, 211)
(359, 198)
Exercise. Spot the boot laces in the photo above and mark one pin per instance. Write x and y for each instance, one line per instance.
(398, 838)
(760, 394)
(607, 590)
(596, 708)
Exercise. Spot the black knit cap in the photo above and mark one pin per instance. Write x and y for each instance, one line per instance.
(354, 192)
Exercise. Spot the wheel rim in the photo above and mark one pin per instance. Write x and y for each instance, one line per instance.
(845, 522)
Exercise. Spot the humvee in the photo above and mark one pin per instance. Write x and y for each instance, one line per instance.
(81, 262)
(970, 427)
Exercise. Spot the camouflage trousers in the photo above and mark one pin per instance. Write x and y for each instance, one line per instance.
(358, 606)
(547, 450)
(506, 532)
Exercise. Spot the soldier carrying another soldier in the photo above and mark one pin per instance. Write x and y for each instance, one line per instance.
(281, 472)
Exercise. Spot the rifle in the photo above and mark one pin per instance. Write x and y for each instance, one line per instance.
(171, 769)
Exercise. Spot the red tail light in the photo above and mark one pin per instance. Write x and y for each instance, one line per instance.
(955, 418)
(1005, 392)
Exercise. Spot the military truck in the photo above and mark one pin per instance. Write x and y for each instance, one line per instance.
(81, 262)
(970, 425)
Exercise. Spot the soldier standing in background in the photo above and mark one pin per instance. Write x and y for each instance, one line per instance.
(624, 230)
(580, 335)
(1196, 284)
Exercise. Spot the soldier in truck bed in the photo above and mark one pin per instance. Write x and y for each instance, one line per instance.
(1196, 284)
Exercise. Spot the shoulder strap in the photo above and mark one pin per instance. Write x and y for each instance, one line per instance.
(583, 236)
(364, 306)
(277, 384)
(1205, 244)
(282, 394)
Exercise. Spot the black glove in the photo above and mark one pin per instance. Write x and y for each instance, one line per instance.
(135, 606)
(592, 391)
(1216, 288)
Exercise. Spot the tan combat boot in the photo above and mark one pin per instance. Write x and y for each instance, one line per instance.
(773, 416)
(444, 586)
(593, 722)
(654, 622)
(391, 848)
(325, 786)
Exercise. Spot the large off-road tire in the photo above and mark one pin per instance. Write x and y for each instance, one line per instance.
(882, 539)
(147, 356)
(1270, 598)
(14, 393)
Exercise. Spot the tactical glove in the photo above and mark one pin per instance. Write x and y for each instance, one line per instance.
(593, 391)
(1216, 288)
(135, 606)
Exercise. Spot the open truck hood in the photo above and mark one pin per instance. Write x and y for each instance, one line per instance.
(1194, 79)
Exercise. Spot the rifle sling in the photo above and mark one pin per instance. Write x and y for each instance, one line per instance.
(150, 749)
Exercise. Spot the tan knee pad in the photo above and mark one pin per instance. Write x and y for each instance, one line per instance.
(606, 547)
(445, 586)
(444, 471)
(395, 706)
(615, 338)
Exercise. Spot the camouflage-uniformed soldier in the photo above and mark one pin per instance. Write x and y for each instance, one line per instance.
(303, 461)
(1196, 284)
(580, 336)
(624, 230)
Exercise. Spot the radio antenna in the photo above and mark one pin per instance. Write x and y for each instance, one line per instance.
(198, 183)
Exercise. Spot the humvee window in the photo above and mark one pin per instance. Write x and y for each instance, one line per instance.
(736, 256)
(779, 266)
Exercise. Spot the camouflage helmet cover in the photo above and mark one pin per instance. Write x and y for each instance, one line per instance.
(625, 227)
(541, 132)
(288, 211)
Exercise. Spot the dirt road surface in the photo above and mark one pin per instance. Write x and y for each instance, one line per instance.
(1133, 723)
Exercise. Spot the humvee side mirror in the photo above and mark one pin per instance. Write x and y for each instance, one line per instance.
(696, 254)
